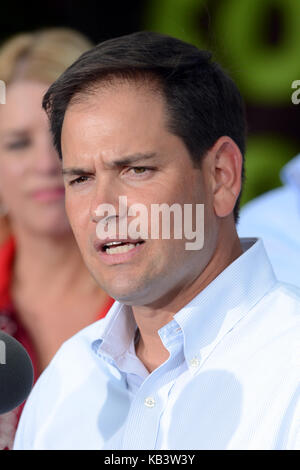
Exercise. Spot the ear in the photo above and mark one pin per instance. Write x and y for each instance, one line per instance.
(226, 170)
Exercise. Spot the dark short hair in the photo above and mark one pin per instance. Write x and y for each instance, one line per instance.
(203, 102)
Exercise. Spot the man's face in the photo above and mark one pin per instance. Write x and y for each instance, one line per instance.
(128, 122)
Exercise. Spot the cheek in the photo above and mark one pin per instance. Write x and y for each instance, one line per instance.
(10, 172)
(11, 181)
(78, 215)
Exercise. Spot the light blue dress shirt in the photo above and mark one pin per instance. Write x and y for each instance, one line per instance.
(275, 217)
(231, 380)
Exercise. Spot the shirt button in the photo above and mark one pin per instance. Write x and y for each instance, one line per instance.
(150, 402)
(195, 362)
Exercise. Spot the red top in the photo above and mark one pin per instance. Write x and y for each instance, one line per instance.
(10, 325)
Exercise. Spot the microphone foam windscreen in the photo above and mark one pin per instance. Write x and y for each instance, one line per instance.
(16, 373)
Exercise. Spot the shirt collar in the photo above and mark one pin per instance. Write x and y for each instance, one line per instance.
(290, 173)
(119, 328)
(209, 316)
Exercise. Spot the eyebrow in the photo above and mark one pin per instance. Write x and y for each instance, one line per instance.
(127, 160)
(75, 172)
(14, 133)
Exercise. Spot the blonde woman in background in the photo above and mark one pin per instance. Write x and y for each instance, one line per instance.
(46, 292)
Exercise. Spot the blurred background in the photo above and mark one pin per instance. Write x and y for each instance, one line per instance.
(256, 41)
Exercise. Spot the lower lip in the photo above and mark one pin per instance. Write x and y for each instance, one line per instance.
(119, 258)
(49, 195)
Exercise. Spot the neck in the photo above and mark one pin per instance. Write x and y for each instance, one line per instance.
(48, 257)
(149, 320)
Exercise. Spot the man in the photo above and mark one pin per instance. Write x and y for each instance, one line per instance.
(200, 351)
(275, 217)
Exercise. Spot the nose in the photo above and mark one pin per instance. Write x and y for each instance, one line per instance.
(105, 204)
(98, 217)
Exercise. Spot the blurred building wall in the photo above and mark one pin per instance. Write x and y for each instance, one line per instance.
(256, 41)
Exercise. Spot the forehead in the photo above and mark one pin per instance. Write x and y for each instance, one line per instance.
(121, 118)
(122, 100)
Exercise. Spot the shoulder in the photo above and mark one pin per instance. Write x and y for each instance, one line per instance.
(74, 364)
(79, 348)
(268, 337)
(277, 316)
(77, 353)
(288, 295)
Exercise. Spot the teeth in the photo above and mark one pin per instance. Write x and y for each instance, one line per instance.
(113, 243)
(120, 249)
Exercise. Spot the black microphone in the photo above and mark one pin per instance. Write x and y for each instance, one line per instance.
(16, 373)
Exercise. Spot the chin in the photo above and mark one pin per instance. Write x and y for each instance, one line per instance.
(125, 296)
(121, 290)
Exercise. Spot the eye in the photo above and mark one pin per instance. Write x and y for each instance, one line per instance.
(139, 170)
(18, 144)
(79, 180)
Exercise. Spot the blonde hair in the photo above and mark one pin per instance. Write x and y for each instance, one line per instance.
(42, 55)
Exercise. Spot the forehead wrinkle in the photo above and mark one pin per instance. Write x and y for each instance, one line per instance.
(130, 159)
(123, 161)
(86, 110)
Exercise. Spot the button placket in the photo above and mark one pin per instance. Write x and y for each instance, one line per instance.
(194, 363)
(149, 402)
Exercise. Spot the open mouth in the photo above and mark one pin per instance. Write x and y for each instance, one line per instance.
(115, 248)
